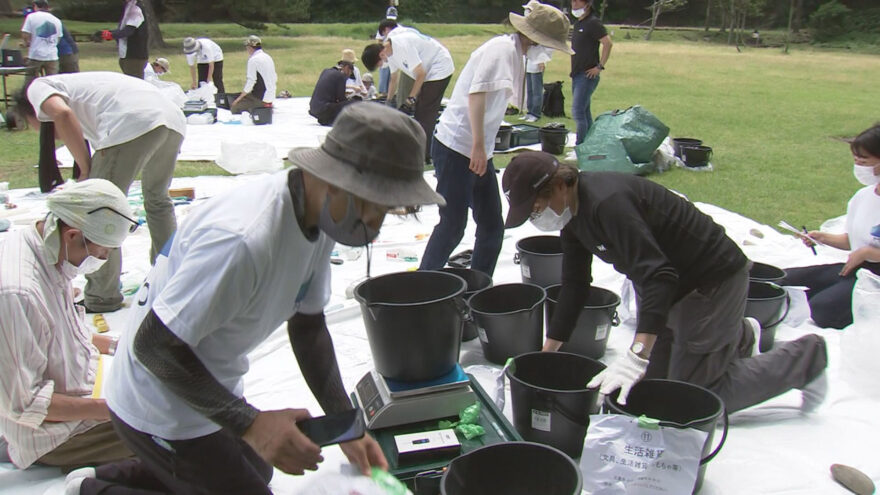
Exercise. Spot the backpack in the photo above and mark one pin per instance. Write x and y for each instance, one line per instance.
(554, 100)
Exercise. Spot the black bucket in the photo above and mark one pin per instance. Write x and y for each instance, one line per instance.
(677, 143)
(510, 320)
(599, 314)
(502, 139)
(769, 304)
(413, 322)
(475, 280)
(512, 468)
(550, 400)
(553, 139)
(696, 156)
(679, 405)
(765, 272)
(540, 260)
(224, 100)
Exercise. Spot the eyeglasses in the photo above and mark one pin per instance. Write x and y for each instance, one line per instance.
(134, 224)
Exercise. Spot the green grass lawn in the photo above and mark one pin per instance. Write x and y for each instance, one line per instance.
(775, 121)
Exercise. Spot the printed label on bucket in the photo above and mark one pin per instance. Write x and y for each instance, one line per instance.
(526, 272)
(540, 420)
(602, 331)
(483, 337)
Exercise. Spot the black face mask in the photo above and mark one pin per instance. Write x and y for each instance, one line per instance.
(351, 230)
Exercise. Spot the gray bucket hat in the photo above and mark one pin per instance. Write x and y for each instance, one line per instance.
(374, 152)
(191, 45)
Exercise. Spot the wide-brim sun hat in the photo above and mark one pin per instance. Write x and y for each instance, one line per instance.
(374, 152)
(164, 64)
(190, 46)
(545, 25)
(349, 56)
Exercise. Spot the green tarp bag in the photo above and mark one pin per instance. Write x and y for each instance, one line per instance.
(622, 141)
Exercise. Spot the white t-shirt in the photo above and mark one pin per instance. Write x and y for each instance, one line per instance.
(495, 68)
(542, 56)
(260, 62)
(863, 218)
(45, 29)
(132, 16)
(411, 48)
(237, 269)
(112, 108)
(207, 53)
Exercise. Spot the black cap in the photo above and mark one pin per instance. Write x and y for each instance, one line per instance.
(523, 178)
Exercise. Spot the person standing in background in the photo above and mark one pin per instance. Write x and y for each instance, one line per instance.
(132, 39)
(40, 32)
(586, 64)
(68, 53)
(205, 60)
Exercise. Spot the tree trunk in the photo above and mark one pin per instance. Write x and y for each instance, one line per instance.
(798, 16)
(5, 7)
(708, 12)
(156, 40)
(732, 26)
(790, 18)
(655, 13)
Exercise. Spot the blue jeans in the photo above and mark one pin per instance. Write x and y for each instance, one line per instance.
(582, 89)
(462, 189)
(384, 78)
(535, 92)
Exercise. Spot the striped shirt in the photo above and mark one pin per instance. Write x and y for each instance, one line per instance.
(45, 348)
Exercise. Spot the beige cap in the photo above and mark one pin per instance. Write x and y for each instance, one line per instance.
(253, 40)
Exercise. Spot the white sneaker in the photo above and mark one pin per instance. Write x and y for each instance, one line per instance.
(523, 117)
(813, 394)
(531, 118)
(756, 331)
(75, 478)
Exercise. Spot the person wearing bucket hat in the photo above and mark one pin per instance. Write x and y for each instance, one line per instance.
(259, 86)
(690, 278)
(205, 60)
(243, 264)
(465, 136)
(48, 355)
(586, 63)
(354, 85)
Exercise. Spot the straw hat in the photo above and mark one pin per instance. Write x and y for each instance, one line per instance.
(349, 56)
(191, 45)
(164, 64)
(544, 25)
(374, 152)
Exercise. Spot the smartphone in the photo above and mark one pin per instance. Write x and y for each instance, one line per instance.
(334, 428)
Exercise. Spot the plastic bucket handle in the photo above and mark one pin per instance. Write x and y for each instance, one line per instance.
(787, 307)
(723, 434)
(516, 259)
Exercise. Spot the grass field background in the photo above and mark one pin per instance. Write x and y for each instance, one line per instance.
(777, 122)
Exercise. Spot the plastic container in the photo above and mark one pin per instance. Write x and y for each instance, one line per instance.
(679, 405)
(553, 140)
(512, 468)
(593, 326)
(524, 135)
(502, 139)
(413, 323)
(696, 156)
(677, 143)
(540, 260)
(261, 115)
(510, 320)
(551, 404)
(476, 281)
(765, 272)
(769, 304)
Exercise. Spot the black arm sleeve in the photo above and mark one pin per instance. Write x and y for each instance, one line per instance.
(125, 32)
(314, 352)
(175, 364)
(576, 278)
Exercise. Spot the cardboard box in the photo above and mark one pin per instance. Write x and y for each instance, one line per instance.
(183, 192)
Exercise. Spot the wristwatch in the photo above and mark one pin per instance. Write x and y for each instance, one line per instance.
(600, 66)
(411, 100)
(638, 348)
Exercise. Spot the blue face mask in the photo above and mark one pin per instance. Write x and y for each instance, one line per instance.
(351, 230)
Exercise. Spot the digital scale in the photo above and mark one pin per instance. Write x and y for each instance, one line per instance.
(388, 403)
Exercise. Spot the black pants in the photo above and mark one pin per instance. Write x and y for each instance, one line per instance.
(330, 111)
(428, 108)
(219, 463)
(829, 294)
(217, 77)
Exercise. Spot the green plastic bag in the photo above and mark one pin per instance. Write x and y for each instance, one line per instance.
(622, 141)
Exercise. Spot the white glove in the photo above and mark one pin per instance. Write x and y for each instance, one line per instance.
(622, 374)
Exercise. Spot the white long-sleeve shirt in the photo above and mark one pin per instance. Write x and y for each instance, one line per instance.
(261, 63)
(45, 348)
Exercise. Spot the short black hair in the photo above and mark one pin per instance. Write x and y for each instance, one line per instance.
(867, 142)
(345, 63)
(387, 24)
(370, 56)
(43, 4)
(22, 109)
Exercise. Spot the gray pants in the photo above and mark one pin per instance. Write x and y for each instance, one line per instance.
(153, 155)
(246, 104)
(710, 345)
(133, 67)
(97, 446)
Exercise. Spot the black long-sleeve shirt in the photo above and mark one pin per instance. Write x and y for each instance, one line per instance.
(330, 88)
(659, 240)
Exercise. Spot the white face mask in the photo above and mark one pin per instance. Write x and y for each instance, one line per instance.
(90, 264)
(549, 221)
(865, 175)
(577, 13)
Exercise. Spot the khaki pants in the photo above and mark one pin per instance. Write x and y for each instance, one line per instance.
(99, 445)
(37, 68)
(246, 104)
(152, 155)
(133, 67)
